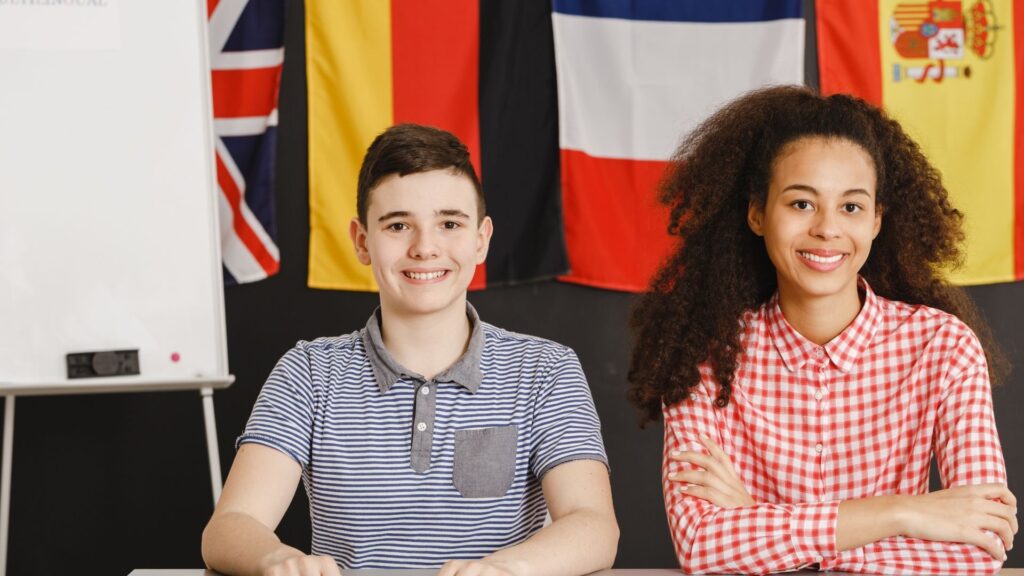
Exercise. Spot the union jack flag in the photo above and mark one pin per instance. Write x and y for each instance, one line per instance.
(246, 55)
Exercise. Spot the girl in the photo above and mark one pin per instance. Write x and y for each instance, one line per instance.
(809, 357)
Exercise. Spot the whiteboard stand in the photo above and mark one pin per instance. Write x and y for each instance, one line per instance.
(5, 480)
(211, 443)
(210, 425)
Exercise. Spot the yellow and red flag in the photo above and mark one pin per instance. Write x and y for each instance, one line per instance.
(952, 73)
(481, 69)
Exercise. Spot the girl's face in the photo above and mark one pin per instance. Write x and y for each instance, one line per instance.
(819, 218)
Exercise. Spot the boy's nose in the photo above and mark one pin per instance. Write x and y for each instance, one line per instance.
(423, 246)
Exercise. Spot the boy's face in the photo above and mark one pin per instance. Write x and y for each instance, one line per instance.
(423, 241)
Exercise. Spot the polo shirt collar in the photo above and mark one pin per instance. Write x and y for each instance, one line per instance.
(843, 350)
(386, 370)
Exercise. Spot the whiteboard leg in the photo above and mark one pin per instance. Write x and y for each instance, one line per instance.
(5, 480)
(211, 443)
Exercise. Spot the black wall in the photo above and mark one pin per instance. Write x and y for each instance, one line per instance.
(107, 483)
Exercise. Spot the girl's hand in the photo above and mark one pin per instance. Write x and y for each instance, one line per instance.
(715, 480)
(965, 514)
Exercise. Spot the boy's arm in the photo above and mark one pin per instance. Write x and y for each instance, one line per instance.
(582, 537)
(240, 539)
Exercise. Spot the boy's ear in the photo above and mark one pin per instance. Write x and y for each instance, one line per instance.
(483, 239)
(357, 232)
(755, 218)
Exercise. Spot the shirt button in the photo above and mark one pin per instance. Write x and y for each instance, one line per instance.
(818, 447)
(818, 559)
(818, 395)
(425, 390)
(423, 426)
(819, 352)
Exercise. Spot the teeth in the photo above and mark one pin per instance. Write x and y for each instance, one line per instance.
(425, 275)
(822, 259)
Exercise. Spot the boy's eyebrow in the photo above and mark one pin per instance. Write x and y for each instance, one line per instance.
(394, 214)
(451, 212)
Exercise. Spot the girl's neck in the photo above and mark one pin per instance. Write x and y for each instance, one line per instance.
(820, 319)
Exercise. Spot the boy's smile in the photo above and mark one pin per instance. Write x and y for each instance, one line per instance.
(423, 241)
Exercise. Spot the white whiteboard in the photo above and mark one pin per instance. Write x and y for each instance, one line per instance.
(108, 229)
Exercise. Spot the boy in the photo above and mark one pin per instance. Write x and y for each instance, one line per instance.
(428, 438)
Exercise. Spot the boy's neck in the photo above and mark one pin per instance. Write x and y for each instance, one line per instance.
(426, 343)
(820, 319)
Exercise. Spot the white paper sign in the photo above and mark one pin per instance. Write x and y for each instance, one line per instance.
(59, 25)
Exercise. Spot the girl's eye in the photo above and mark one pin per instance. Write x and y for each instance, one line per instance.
(852, 208)
(802, 205)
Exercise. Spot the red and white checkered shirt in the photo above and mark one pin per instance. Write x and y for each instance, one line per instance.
(809, 426)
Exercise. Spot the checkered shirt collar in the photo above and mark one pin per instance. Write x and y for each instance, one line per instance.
(386, 370)
(843, 350)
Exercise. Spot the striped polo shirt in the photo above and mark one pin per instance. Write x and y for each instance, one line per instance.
(406, 472)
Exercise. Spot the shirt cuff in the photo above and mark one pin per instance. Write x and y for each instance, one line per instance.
(813, 527)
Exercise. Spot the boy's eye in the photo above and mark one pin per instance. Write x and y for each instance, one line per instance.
(451, 225)
(397, 226)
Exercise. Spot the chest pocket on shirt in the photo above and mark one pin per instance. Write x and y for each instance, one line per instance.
(485, 461)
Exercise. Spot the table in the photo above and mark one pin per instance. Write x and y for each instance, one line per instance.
(615, 572)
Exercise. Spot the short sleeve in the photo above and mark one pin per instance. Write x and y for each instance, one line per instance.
(282, 417)
(565, 424)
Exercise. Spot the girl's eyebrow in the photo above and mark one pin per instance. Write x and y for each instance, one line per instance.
(813, 190)
(801, 188)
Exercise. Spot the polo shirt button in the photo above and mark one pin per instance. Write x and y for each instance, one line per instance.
(425, 390)
(818, 395)
(818, 447)
(818, 559)
(423, 426)
(819, 352)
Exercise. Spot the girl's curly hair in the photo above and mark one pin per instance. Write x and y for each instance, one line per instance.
(721, 269)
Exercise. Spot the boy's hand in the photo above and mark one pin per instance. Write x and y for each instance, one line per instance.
(484, 567)
(965, 514)
(299, 565)
(715, 481)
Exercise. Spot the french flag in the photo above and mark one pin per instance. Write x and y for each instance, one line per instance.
(634, 76)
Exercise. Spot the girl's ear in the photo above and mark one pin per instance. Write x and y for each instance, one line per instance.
(755, 218)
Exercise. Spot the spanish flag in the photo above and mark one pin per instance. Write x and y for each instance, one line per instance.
(952, 73)
(482, 69)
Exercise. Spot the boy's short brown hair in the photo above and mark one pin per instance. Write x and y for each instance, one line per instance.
(406, 149)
